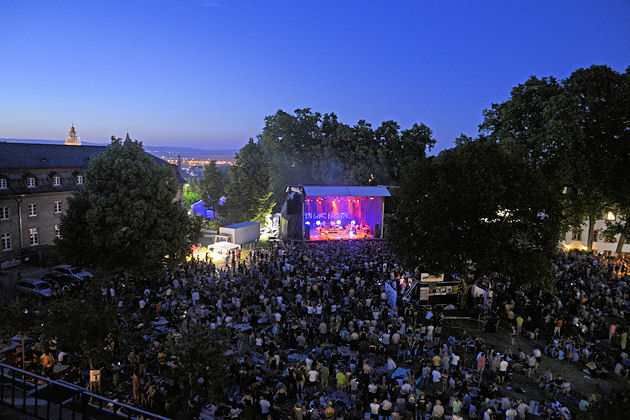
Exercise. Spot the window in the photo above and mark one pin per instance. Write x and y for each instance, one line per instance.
(596, 236)
(5, 213)
(611, 216)
(610, 239)
(3, 184)
(5, 240)
(30, 182)
(32, 210)
(576, 236)
(33, 235)
(57, 207)
(56, 180)
(57, 232)
(79, 179)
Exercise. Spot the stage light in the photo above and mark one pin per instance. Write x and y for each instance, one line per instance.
(318, 223)
(308, 223)
(338, 222)
(353, 223)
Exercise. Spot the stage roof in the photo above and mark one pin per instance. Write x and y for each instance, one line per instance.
(346, 190)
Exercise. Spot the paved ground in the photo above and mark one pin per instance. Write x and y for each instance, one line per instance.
(7, 413)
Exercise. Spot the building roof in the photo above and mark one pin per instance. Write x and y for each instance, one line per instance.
(346, 190)
(240, 225)
(49, 156)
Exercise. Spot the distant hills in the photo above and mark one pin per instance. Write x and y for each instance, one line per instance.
(167, 151)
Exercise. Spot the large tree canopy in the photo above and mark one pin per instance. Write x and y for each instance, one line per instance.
(479, 204)
(577, 132)
(311, 148)
(212, 185)
(248, 193)
(126, 216)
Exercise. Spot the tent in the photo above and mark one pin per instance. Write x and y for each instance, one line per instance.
(199, 208)
(220, 250)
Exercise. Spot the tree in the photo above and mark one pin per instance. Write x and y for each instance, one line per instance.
(19, 317)
(248, 193)
(212, 186)
(576, 131)
(476, 204)
(190, 198)
(311, 148)
(83, 324)
(126, 215)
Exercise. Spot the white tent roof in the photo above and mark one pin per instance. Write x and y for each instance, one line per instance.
(223, 245)
(346, 190)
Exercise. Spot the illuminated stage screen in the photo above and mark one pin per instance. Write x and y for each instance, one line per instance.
(342, 217)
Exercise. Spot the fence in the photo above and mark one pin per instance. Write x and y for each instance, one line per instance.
(44, 398)
(464, 323)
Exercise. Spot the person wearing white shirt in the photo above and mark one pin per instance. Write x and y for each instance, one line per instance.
(374, 408)
(503, 366)
(455, 360)
(264, 405)
(436, 376)
(511, 414)
(312, 376)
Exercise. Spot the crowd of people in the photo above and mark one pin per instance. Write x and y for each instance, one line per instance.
(312, 333)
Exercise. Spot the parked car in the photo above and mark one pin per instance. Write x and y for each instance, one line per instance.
(67, 272)
(34, 287)
(61, 283)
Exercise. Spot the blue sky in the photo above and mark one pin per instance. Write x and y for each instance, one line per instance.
(205, 73)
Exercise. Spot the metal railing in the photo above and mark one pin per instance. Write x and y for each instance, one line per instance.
(45, 398)
(464, 323)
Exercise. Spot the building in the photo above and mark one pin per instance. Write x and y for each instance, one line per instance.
(601, 242)
(35, 183)
(72, 139)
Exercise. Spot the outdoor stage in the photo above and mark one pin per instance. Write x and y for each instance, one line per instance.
(339, 234)
(330, 212)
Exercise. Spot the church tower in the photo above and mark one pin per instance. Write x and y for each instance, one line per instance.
(72, 139)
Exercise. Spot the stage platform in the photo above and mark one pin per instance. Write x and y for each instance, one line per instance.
(328, 235)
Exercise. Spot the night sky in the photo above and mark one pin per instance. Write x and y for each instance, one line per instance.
(205, 73)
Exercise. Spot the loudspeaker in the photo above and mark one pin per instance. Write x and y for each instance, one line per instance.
(377, 230)
(307, 232)
(294, 204)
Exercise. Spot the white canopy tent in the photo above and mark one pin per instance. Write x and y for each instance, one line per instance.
(220, 250)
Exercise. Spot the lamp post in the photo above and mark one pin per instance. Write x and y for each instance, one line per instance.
(19, 206)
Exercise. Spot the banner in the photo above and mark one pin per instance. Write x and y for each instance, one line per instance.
(477, 291)
(426, 277)
(424, 293)
(391, 294)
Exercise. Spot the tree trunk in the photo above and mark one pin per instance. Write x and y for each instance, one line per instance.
(591, 227)
(620, 244)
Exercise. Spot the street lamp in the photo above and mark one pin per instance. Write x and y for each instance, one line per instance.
(19, 206)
